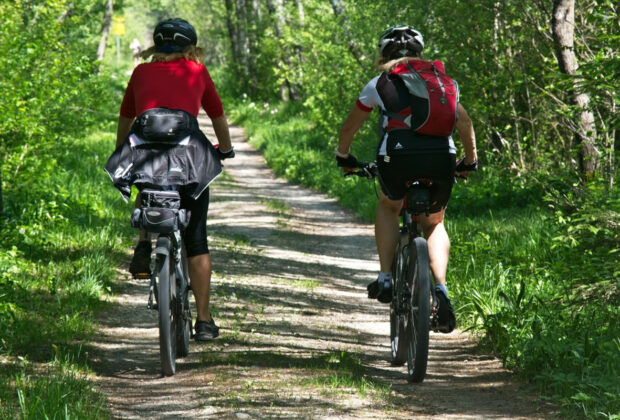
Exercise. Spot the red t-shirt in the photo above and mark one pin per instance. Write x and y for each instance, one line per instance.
(179, 84)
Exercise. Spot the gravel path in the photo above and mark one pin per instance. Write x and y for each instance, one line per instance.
(299, 338)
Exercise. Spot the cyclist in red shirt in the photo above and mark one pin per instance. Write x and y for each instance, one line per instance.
(176, 79)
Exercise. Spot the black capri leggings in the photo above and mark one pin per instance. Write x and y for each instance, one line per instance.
(195, 235)
(435, 166)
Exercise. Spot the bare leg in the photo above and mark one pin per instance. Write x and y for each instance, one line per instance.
(438, 244)
(200, 275)
(386, 230)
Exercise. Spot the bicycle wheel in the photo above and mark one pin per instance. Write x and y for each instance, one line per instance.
(398, 319)
(166, 303)
(418, 318)
(183, 315)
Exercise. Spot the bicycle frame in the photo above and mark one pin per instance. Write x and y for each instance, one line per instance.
(413, 309)
(416, 202)
(160, 214)
(166, 243)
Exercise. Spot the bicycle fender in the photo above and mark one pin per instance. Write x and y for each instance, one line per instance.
(163, 246)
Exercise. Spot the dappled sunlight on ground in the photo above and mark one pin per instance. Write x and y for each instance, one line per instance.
(298, 337)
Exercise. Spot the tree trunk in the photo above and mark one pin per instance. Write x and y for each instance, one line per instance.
(338, 7)
(256, 10)
(105, 29)
(232, 33)
(237, 21)
(253, 24)
(340, 11)
(300, 11)
(276, 8)
(563, 26)
(242, 35)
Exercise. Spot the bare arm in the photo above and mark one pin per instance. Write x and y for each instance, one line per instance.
(351, 125)
(220, 126)
(124, 125)
(468, 137)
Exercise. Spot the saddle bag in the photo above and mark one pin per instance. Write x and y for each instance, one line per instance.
(160, 212)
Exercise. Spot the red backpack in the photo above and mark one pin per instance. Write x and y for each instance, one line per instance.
(431, 106)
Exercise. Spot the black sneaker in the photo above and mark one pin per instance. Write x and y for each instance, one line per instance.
(446, 319)
(206, 331)
(140, 265)
(381, 293)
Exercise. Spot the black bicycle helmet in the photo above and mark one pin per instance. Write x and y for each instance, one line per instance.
(400, 41)
(173, 35)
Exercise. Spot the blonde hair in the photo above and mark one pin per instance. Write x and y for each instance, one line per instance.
(387, 65)
(191, 52)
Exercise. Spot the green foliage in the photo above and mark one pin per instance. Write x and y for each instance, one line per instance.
(60, 236)
(60, 246)
(47, 70)
(541, 283)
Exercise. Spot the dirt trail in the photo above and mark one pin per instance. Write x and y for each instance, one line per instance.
(299, 338)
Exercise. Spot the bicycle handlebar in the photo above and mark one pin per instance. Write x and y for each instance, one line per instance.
(366, 170)
(369, 170)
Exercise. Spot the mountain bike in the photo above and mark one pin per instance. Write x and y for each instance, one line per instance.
(161, 215)
(414, 306)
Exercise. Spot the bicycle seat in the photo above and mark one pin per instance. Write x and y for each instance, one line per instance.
(418, 197)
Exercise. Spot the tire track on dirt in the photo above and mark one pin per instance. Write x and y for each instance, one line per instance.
(290, 269)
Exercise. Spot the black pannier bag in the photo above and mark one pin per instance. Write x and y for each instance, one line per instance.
(159, 198)
(159, 212)
(165, 125)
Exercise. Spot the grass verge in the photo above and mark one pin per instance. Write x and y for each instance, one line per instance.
(60, 246)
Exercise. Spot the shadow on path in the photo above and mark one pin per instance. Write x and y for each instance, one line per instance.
(289, 294)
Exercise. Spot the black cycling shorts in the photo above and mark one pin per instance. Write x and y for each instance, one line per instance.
(436, 166)
(195, 235)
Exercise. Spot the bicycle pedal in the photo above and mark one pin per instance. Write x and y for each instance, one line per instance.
(141, 276)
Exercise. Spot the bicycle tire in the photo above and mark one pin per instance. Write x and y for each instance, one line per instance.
(398, 321)
(418, 318)
(166, 303)
(183, 316)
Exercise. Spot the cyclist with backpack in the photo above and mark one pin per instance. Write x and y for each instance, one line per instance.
(161, 104)
(419, 108)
